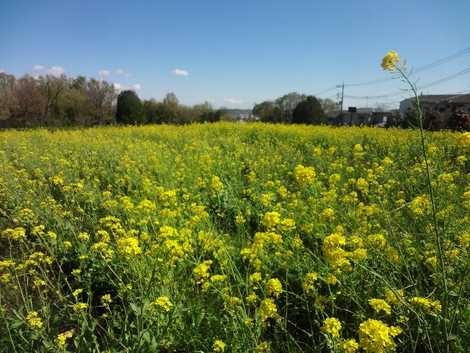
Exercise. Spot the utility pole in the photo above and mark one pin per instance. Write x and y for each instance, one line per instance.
(342, 96)
(340, 116)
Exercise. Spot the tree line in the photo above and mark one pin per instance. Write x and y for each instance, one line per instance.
(295, 108)
(79, 101)
(50, 101)
(58, 101)
(131, 110)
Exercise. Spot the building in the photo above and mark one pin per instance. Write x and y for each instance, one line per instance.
(441, 103)
(362, 117)
(440, 111)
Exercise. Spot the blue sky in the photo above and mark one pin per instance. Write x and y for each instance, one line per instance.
(235, 53)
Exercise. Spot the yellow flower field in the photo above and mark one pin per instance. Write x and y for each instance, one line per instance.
(233, 238)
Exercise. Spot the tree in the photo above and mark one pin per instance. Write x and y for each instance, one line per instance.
(308, 112)
(129, 108)
(30, 102)
(170, 109)
(7, 97)
(328, 105)
(213, 116)
(52, 88)
(101, 96)
(73, 107)
(268, 112)
(152, 111)
(203, 112)
(279, 111)
(79, 82)
(170, 99)
(287, 104)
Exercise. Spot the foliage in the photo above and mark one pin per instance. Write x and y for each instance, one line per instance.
(231, 238)
(55, 101)
(279, 111)
(308, 111)
(459, 120)
(66, 101)
(282, 109)
(268, 112)
(129, 108)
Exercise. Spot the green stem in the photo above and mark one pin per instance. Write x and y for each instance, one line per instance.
(433, 205)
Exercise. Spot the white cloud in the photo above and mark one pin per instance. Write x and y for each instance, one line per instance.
(56, 71)
(180, 72)
(38, 67)
(103, 73)
(120, 87)
(120, 72)
(233, 100)
(2, 71)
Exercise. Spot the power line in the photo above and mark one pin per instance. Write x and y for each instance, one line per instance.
(443, 60)
(396, 103)
(325, 90)
(429, 66)
(376, 96)
(448, 78)
(431, 84)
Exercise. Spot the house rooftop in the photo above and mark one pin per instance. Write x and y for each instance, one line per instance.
(460, 98)
(436, 98)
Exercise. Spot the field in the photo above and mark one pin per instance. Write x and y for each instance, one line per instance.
(233, 238)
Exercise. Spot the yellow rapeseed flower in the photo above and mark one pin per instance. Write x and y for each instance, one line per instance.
(274, 287)
(106, 299)
(80, 306)
(129, 246)
(218, 346)
(263, 347)
(426, 303)
(332, 327)
(164, 303)
(390, 61)
(255, 277)
(201, 271)
(271, 219)
(61, 339)
(304, 175)
(393, 297)
(375, 336)
(380, 305)
(18, 233)
(77, 292)
(267, 309)
(309, 282)
(349, 346)
(216, 184)
(33, 320)
(464, 139)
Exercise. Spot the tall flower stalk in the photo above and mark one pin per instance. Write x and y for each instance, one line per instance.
(393, 63)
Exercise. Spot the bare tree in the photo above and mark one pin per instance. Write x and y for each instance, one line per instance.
(101, 96)
(30, 102)
(7, 97)
(52, 87)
